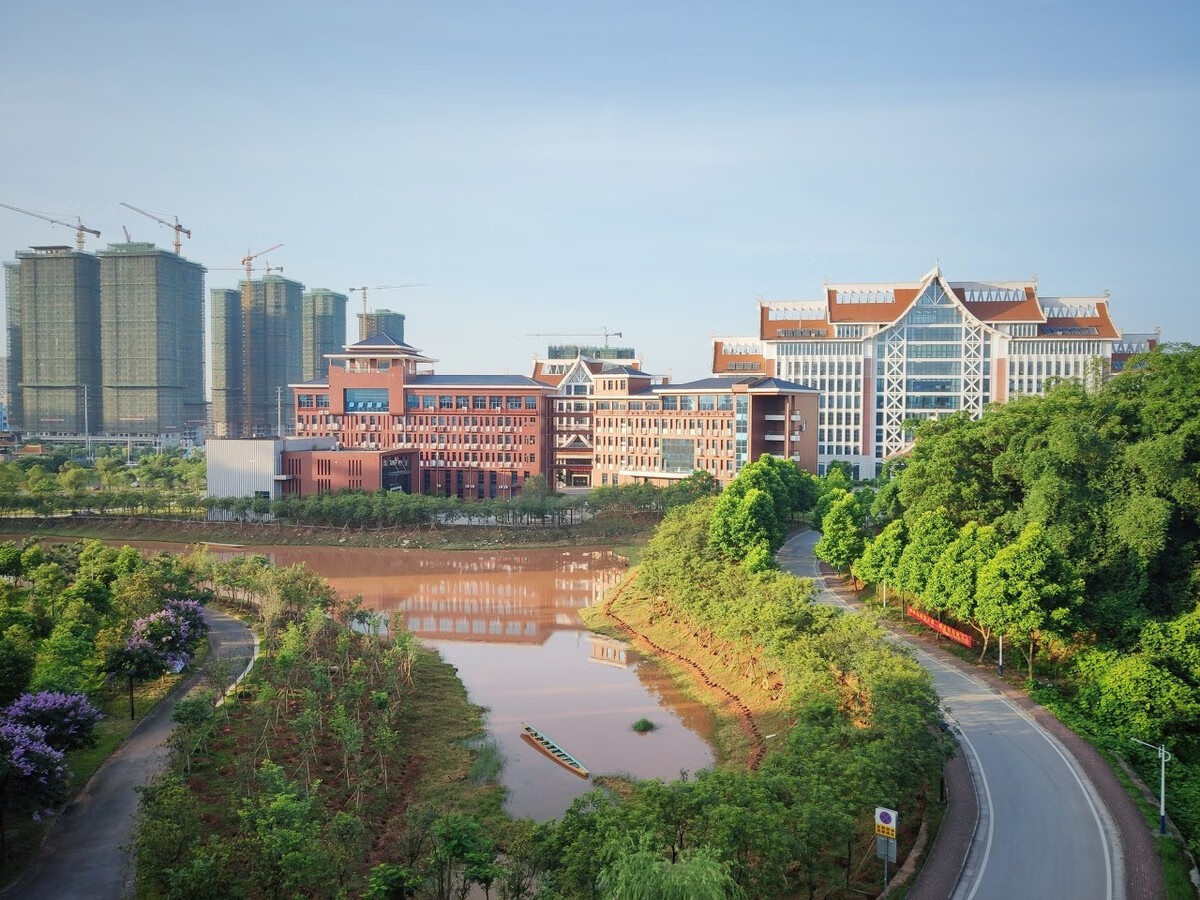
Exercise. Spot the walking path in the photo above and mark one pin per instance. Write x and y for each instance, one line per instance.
(959, 858)
(86, 854)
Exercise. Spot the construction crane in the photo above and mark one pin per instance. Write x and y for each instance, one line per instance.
(79, 227)
(382, 287)
(177, 228)
(603, 332)
(247, 343)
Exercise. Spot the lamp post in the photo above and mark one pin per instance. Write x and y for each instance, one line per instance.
(1000, 665)
(1163, 756)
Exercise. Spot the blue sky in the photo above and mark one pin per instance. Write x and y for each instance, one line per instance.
(650, 168)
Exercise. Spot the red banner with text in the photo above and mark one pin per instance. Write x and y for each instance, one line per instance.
(954, 634)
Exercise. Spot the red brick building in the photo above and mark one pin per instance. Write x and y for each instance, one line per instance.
(468, 436)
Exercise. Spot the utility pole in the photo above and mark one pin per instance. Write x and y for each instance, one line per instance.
(278, 411)
(1163, 756)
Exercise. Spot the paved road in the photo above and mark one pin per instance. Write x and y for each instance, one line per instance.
(85, 856)
(1042, 831)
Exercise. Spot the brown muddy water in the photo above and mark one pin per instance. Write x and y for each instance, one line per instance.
(509, 622)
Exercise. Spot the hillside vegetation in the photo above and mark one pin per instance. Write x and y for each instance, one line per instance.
(1067, 525)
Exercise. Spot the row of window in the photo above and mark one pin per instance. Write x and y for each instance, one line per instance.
(475, 401)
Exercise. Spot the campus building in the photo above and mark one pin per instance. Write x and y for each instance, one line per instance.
(573, 370)
(884, 354)
(467, 436)
(648, 433)
(272, 348)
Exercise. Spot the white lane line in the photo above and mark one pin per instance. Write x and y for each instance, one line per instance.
(1068, 759)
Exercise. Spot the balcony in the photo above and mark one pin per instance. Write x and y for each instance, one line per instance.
(773, 437)
(773, 417)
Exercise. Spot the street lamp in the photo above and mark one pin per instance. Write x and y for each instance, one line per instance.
(1163, 756)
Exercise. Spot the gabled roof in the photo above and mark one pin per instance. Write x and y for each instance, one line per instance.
(623, 370)
(381, 341)
(778, 384)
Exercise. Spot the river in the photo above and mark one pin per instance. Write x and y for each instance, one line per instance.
(508, 620)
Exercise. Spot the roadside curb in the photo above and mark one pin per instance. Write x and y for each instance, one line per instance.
(1136, 841)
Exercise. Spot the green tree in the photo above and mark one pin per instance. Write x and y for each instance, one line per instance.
(841, 539)
(638, 874)
(881, 557)
(1027, 591)
(928, 538)
(951, 585)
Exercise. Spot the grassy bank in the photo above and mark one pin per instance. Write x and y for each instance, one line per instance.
(731, 744)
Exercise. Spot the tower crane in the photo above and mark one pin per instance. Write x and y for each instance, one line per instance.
(79, 227)
(247, 343)
(382, 287)
(603, 332)
(177, 228)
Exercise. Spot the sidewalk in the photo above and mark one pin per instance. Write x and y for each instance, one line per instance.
(86, 854)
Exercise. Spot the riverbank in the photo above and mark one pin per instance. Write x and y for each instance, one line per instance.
(619, 532)
(747, 717)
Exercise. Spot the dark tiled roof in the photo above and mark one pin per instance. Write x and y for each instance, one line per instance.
(381, 340)
(779, 384)
(725, 382)
(476, 380)
(715, 383)
(623, 370)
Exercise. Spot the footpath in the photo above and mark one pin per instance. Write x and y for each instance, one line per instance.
(87, 853)
(937, 880)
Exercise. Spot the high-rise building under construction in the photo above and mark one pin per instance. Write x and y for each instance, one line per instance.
(323, 329)
(382, 321)
(274, 359)
(152, 342)
(53, 321)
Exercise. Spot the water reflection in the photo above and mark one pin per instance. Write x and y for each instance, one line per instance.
(509, 622)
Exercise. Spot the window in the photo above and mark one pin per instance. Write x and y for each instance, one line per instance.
(364, 399)
(322, 401)
(531, 402)
(708, 402)
(670, 401)
(305, 401)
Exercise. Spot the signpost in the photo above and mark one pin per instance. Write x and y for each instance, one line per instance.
(886, 822)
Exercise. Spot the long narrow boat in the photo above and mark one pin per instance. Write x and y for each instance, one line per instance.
(555, 752)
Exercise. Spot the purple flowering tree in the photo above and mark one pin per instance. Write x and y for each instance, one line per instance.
(33, 776)
(161, 642)
(68, 720)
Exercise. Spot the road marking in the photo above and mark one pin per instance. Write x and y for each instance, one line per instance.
(1084, 786)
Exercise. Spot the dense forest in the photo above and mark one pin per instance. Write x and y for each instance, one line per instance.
(1068, 526)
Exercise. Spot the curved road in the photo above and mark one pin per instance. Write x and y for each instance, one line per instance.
(85, 855)
(1042, 831)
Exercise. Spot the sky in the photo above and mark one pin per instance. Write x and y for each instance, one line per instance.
(647, 168)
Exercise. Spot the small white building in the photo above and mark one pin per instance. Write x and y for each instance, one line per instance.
(250, 467)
